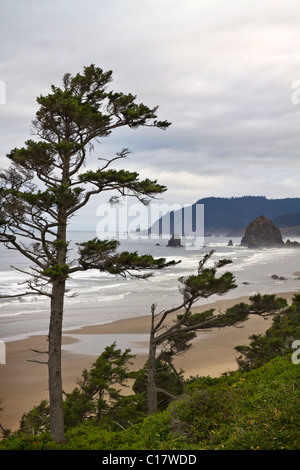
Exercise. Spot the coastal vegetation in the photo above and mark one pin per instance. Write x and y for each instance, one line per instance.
(256, 407)
(170, 338)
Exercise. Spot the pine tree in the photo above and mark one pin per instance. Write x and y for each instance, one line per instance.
(47, 183)
(173, 338)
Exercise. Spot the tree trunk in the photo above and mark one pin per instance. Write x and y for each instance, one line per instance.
(151, 385)
(55, 336)
(54, 362)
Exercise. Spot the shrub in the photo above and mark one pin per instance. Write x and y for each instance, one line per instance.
(258, 409)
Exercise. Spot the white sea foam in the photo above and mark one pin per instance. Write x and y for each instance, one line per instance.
(3, 315)
(102, 297)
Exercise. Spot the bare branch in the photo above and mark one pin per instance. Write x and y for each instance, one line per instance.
(120, 155)
(15, 295)
(37, 362)
(39, 352)
(168, 394)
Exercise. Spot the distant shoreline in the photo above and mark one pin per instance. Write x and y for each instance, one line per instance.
(24, 384)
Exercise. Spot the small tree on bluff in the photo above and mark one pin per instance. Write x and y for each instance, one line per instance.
(45, 186)
(173, 339)
(168, 339)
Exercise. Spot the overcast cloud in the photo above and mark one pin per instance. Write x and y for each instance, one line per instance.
(221, 71)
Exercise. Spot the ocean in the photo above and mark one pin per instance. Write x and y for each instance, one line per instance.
(97, 298)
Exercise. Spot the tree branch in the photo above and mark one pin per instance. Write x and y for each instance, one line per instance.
(37, 362)
(168, 394)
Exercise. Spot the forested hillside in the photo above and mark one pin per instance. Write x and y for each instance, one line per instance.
(225, 215)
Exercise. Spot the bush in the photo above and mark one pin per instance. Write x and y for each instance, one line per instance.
(258, 409)
(276, 341)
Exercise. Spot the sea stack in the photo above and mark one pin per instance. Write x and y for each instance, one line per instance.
(174, 240)
(260, 233)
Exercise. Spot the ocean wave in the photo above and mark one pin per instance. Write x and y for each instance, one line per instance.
(3, 315)
(105, 295)
(33, 298)
(22, 312)
(109, 298)
(91, 274)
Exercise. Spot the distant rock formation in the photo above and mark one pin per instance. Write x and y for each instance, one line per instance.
(292, 244)
(174, 241)
(230, 243)
(261, 232)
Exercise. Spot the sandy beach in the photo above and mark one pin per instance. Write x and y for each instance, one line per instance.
(24, 384)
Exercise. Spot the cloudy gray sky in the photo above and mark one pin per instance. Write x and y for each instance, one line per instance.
(221, 71)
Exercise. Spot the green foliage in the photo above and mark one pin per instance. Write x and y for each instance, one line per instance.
(165, 379)
(34, 156)
(21, 441)
(97, 394)
(36, 421)
(276, 341)
(118, 179)
(56, 271)
(126, 261)
(81, 102)
(4, 432)
(266, 304)
(252, 410)
(205, 283)
(100, 254)
(77, 408)
(95, 252)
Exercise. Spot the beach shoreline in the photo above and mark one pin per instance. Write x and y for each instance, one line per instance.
(23, 383)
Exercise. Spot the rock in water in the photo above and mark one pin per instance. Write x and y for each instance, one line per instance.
(261, 232)
(292, 244)
(174, 240)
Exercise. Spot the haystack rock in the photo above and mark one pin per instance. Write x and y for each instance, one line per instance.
(261, 232)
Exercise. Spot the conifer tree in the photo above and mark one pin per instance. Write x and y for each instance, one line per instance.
(47, 182)
(170, 338)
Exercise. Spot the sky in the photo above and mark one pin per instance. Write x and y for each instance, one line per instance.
(226, 74)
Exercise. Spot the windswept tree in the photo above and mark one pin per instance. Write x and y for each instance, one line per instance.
(172, 334)
(169, 339)
(47, 183)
